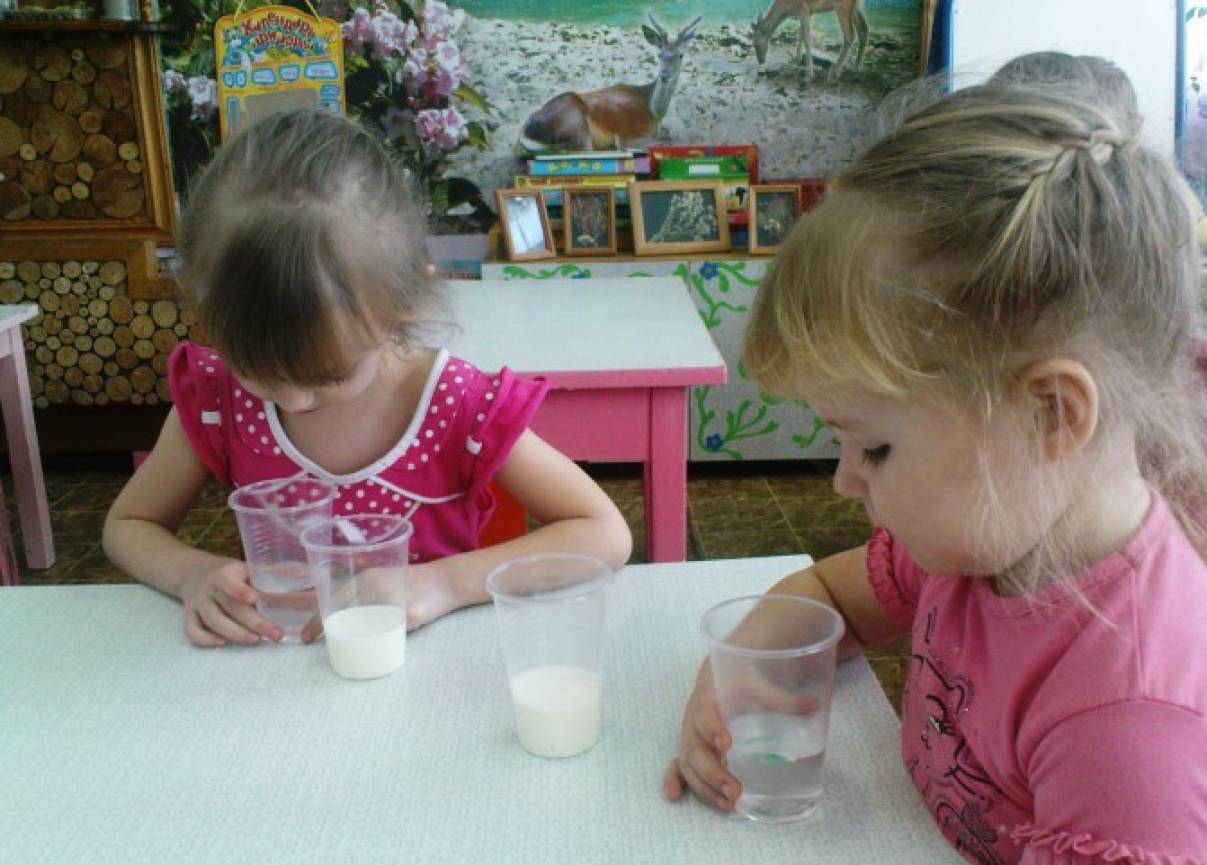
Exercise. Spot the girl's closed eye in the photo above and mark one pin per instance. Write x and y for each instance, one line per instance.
(875, 456)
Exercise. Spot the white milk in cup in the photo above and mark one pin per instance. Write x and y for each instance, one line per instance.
(550, 610)
(359, 565)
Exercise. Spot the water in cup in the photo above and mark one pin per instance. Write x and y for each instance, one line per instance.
(556, 709)
(772, 661)
(285, 598)
(366, 642)
(272, 515)
(780, 761)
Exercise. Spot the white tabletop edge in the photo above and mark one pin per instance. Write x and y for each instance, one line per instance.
(569, 326)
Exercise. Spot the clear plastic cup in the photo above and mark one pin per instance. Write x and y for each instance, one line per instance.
(360, 566)
(774, 683)
(272, 515)
(550, 610)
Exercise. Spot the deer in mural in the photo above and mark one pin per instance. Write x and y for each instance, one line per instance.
(612, 116)
(851, 19)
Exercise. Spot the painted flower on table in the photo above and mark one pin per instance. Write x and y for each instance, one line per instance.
(714, 442)
(708, 270)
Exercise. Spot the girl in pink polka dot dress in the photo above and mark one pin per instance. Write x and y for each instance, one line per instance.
(305, 260)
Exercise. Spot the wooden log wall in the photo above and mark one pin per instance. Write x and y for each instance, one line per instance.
(92, 343)
(69, 143)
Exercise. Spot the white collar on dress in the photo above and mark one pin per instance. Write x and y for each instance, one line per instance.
(382, 463)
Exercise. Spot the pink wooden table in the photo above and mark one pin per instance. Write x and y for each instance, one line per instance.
(620, 355)
(23, 438)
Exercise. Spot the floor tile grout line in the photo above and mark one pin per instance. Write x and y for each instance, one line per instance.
(210, 525)
(783, 513)
(693, 530)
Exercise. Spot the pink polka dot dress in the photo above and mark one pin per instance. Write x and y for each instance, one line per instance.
(437, 474)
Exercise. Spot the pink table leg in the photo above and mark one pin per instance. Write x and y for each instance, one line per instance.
(23, 452)
(666, 476)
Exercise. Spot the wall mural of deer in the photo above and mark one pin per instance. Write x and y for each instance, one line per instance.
(851, 19)
(616, 116)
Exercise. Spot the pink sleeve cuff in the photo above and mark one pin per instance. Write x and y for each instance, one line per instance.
(1067, 848)
(881, 574)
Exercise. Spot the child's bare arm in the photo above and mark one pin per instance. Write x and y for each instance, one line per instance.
(839, 581)
(575, 515)
(140, 538)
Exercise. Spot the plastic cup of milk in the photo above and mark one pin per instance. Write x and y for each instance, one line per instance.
(772, 660)
(272, 516)
(550, 610)
(359, 565)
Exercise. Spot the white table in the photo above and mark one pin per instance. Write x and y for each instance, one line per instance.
(122, 744)
(620, 356)
(22, 435)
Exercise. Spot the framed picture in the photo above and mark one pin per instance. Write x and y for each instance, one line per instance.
(589, 216)
(1191, 122)
(525, 223)
(772, 210)
(676, 216)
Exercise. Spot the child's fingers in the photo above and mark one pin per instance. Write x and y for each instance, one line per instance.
(673, 785)
(232, 581)
(717, 795)
(216, 619)
(249, 618)
(197, 633)
(313, 628)
(711, 729)
(709, 766)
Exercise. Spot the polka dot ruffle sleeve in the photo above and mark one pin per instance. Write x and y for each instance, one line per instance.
(506, 404)
(197, 379)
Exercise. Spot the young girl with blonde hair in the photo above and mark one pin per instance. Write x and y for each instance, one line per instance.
(997, 310)
(304, 257)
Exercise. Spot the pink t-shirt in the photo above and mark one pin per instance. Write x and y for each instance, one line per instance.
(437, 475)
(1040, 733)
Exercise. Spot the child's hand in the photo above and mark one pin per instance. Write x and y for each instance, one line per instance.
(220, 606)
(703, 741)
(430, 594)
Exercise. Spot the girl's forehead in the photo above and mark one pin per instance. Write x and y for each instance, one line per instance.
(846, 408)
(855, 410)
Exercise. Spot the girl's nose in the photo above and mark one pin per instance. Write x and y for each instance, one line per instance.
(847, 480)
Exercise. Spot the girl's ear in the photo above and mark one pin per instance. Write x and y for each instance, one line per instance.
(1063, 399)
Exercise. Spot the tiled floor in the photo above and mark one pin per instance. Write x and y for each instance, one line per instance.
(750, 510)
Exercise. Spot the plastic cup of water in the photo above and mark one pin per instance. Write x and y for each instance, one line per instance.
(774, 681)
(359, 565)
(272, 515)
(550, 610)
